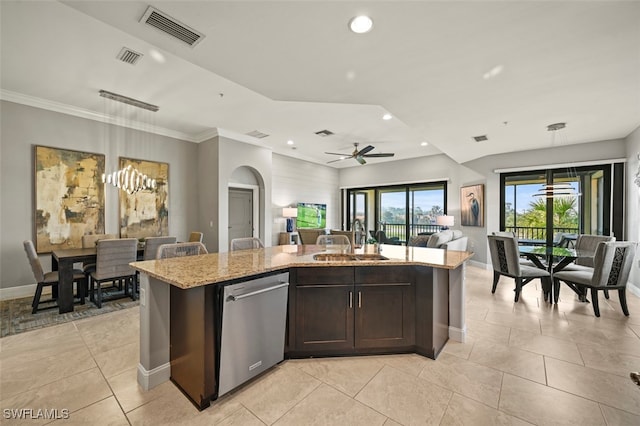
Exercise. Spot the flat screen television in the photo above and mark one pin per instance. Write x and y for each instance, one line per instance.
(311, 215)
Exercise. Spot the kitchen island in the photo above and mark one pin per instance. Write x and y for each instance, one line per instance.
(403, 299)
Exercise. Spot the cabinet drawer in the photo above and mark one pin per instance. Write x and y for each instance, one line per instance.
(383, 274)
(321, 275)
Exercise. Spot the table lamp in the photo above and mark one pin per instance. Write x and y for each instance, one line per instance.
(445, 221)
(289, 213)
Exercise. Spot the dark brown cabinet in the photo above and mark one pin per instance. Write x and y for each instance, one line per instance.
(352, 309)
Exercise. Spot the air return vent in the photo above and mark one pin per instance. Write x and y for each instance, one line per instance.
(171, 26)
(129, 56)
(324, 133)
(257, 134)
(480, 138)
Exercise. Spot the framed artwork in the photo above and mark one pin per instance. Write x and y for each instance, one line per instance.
(146, 212)
(69, 197)
(472, 205)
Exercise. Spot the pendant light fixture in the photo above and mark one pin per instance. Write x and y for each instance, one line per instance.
(559, 189)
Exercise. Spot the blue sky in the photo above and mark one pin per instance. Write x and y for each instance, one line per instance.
(423, 199)
(525, 195)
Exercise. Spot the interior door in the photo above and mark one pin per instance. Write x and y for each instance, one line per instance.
(240, 213)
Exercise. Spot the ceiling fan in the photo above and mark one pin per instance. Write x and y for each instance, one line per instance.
(359, 155)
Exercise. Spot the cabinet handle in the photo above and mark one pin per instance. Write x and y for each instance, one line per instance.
(350, 299)
(359, 299)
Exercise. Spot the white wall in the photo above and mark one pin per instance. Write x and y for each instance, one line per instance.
(22, 127)
(633, 204)
(297, 181)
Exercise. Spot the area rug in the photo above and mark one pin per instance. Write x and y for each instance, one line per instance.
(16, 316)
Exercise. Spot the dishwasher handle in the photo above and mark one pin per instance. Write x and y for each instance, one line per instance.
(233, 298)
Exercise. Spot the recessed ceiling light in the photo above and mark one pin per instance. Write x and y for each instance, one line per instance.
(361, 24)
(493, 72)
(289, 142)
(424, 144)
(387, 116)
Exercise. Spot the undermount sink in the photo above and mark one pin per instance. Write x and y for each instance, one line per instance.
(347, 257)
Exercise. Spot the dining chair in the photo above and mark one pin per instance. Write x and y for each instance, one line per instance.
(382, 238)
(49, 278)
(89, 241)
(112, 265)
(195, 237)
(245, 243)
(151, 245)
(351, 235)
(195, 248)
(611, 267)
(505, 258)
(330, 240)
(523, 260)
(309, 236)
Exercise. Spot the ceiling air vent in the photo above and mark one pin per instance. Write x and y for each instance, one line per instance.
(171, 26)
(324, 133)
(480, 138)
(129, 56)
(257, 134)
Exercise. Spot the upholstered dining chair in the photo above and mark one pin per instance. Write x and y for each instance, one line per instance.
(351, 235)
(166, 251)
(309, 236)
(89, 241)
(151, 245)
(505, 258)
(523, 261)
(49, 278)
(334, 240)
(245, 243)
(112, 265)
(611, 266)
(195, 237)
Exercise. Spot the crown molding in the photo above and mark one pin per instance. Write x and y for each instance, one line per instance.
(49, 105)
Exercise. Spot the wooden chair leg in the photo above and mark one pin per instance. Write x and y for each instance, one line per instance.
(99, 296)
(518, 289)
(36, 299)
(622, 294)
(594, 302)
(496, 277)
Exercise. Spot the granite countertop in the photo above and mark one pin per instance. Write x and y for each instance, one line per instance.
(194, 271)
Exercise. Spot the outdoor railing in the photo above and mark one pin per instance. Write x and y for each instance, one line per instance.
(399, 230)
(537, 233)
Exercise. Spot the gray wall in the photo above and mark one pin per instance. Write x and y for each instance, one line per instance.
(633, 203)
(22, 127)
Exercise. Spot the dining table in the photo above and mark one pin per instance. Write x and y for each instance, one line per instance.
(551, 258)
(62, 260)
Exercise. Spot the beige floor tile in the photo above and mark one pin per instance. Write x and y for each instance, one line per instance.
(610, 389)
(120, 359)
(130, 394)
(17, 377)
(615, 417)
(409, 363)
(169, 409)
(465, 411)
(511, 360)
(111, 333)
(328, 406)
(70, 393)
(348, 375)
(41, 345)
(467, 378)
(592, 320)
(391, 422)
(636, 329)
(34, 336)
(609, 359)
(545, 345)
(106, 413)
(405, 398)
(542, 405)
(461, 350)
(276, 392)
(225, 410)
(477, 313)
(589, 335)
(242, 417)
(516, 321)
(481, 330)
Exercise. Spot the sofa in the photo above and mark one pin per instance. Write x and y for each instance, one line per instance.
(449, 239)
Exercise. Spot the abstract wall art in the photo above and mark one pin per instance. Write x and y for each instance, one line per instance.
(69, 197)
(146, 212)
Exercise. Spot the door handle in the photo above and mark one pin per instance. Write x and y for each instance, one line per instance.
(350, 299)
(359, 299)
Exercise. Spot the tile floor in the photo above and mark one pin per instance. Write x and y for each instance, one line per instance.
(524, 363)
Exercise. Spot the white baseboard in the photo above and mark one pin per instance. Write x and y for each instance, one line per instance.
(633, 289)
(149, 379)
(458, 335)
(21, 291)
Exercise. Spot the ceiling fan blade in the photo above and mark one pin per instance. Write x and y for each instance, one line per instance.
(382, 154)
(364, 150)
(360, 160)
(336, 153)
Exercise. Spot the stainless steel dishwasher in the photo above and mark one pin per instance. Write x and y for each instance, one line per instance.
(254, 317)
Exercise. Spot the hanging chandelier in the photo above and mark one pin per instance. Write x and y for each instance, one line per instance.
(559, 189)
(130, 180)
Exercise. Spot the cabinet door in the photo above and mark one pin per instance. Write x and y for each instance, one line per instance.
(324, 317)
(384, 315)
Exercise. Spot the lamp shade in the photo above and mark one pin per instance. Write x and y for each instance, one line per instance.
(289, 212)
(445, 220)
